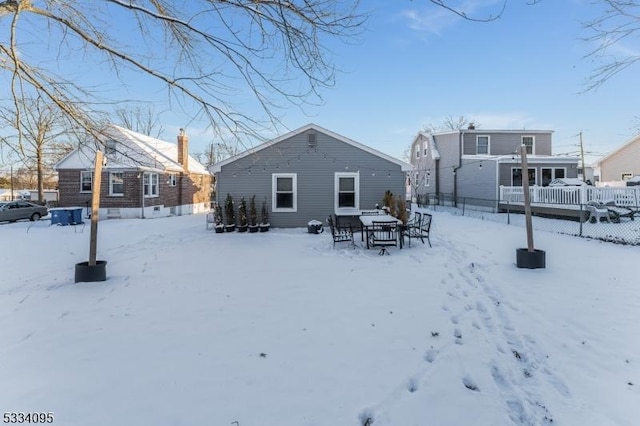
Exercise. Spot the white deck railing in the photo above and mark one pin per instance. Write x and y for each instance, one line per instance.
(572, 195)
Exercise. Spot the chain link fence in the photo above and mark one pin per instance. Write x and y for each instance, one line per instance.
(610, 223)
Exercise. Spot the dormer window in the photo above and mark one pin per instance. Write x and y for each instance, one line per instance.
(110, 147)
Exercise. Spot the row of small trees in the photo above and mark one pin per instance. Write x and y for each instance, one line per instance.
(395, 206)
(247, 217)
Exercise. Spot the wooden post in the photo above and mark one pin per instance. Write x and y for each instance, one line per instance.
(527, 197)
(95, 208)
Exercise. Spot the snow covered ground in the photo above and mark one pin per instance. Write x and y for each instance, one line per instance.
(280, 328)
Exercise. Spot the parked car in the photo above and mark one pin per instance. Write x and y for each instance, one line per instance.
(16, 210)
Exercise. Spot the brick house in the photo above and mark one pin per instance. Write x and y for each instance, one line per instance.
(143, 177)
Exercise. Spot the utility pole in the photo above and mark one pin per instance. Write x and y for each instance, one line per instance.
(584, 172)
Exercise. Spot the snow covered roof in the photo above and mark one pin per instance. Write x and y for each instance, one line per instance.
(566, 182)
(131, 150)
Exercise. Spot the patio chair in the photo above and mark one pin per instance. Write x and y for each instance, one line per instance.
(420, 228)
(425, 228)
(619, 211)
(383, 235)
(340, 234)
(597, 212)
(412, 228)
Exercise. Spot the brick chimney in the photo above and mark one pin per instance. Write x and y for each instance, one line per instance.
(183, 150)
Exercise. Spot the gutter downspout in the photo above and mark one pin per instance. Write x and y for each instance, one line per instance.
(455, 170)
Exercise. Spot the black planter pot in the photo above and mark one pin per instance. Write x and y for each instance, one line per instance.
(242, 228)
(264, 228)
(229, 228)
(315, 228)
(219, 229)
(253, 229)
(91, 273)
(535, 259)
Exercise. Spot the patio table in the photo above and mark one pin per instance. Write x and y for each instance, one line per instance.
(367, 222)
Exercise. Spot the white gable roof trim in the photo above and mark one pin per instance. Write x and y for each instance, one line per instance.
(629, 142)
(217, 167)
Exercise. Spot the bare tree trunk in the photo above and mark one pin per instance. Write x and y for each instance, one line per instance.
(39, 167)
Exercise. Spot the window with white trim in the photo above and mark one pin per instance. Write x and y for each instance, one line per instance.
(418, 151)
(516, 176)
(284, 192)
(547, 174)
(482, 144)
(86, 181)
(529, 141)
(150, 185)
(347, 191)
(110, 147)
(116, 183)
(172, 179)
(427, 178)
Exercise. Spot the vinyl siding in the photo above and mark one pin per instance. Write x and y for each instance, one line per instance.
(315, 169)
(449, 148)
(507, 143)
(505, 170)
(626, 160)
(475, 182)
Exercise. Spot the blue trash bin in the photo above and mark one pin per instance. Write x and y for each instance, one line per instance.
(59, 217)
(75, 216)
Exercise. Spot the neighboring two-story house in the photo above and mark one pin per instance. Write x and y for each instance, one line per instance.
(470, 165)
(621, 164)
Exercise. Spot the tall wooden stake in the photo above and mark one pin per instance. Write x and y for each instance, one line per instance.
(95, 208)
(527, 197)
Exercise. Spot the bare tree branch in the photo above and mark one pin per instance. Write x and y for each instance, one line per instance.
(211, 54)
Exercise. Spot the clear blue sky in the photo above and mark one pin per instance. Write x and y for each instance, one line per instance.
(416, 63)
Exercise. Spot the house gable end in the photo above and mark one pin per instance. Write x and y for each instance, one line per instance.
(309, 129)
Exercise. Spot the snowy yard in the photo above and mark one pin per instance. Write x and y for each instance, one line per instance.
(280, 328)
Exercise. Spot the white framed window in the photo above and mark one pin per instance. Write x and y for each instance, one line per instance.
(626, 175)
(284, 192)
(516, 176)
(529, 142)
(418, 151)
(427, 178)
(347, 191)
(482, 144)
(116, 184)
(110, 147)
(86, 181)
(150, 185)
(547, 174)
(172, 179)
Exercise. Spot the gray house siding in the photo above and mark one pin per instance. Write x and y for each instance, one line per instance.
(423, 164)
(449, 148)
(505, 170)
(477, 184)
(315, 168)
(506, 143)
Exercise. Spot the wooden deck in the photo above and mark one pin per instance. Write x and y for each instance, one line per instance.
(566, 202)
(555, 211)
